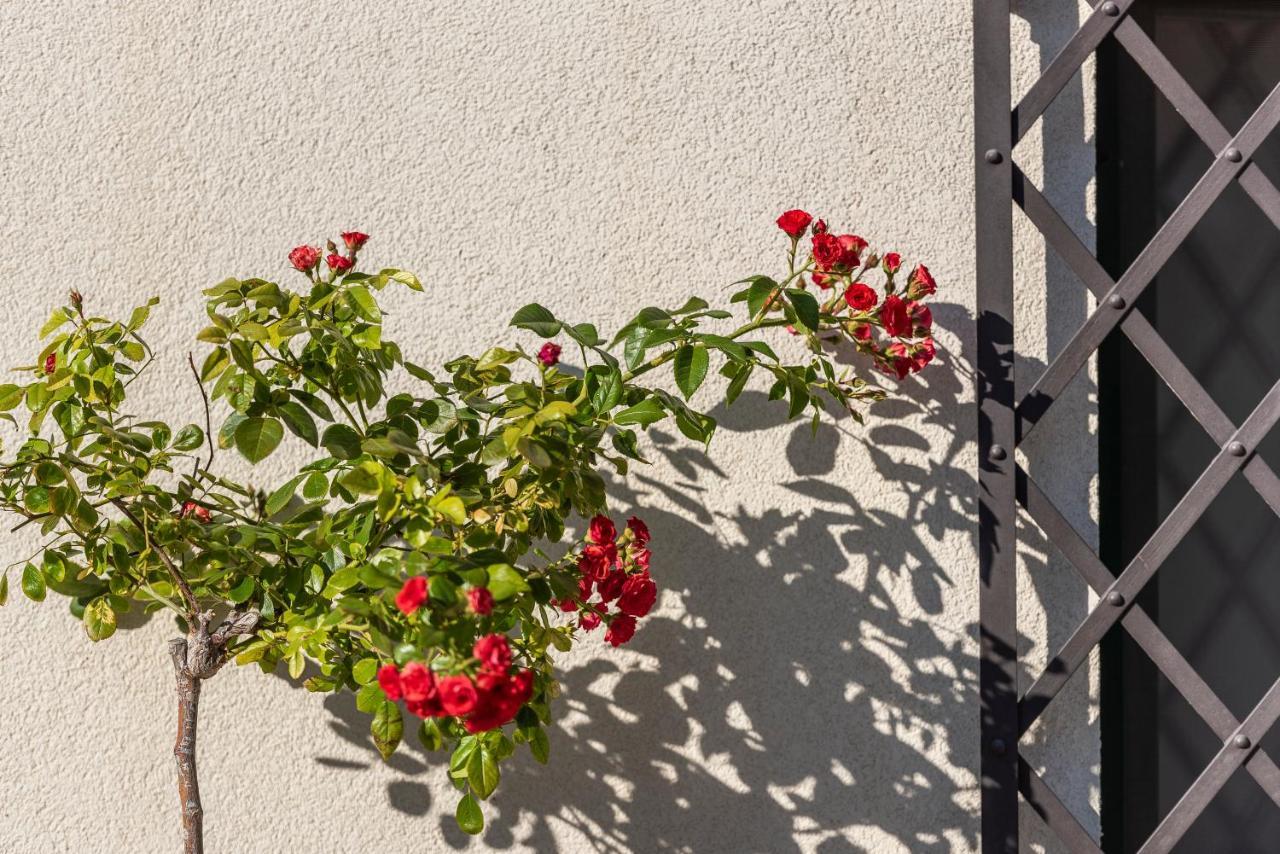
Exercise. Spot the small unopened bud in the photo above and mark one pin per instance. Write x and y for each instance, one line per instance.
(76, 299)
(331, 246)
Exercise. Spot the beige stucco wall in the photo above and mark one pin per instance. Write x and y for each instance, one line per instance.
(810, 681)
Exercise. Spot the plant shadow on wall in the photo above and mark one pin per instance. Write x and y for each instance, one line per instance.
(799, 696)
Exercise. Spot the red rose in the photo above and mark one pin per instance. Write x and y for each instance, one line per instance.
(851, 246)
(621, 629)
(641, 557)
(601, 530)
(480, 600)
(493, 652)
(862, 332)
(638, 529)
(457, 695)
(389, 681)
(417, 682)
(920, 283)
(860, 297)
(895, 362)
(304, 258)
(827, 250)
(794, 223)
(412, 594)
(823, 281)
(549, 355)
(428, 707)
(610, 587)
(596, 561)
(921, 316)
(891, 262)
(589, 620)
(923, 353)
(895, 318)
(50, 363)
(638, 595)
(568, 605)
(337, 263)
(190, 508)
(354, 240)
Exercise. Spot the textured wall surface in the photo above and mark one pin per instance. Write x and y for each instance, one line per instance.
(809, 683)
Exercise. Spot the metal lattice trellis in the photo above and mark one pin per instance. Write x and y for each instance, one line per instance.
(1005, 420)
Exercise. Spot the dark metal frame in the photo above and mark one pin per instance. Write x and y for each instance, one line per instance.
(1005, 420)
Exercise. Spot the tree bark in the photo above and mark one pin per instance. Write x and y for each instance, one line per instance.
(184, 750)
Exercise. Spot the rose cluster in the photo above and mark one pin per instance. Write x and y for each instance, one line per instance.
(616, 569)
(839, 263)
(306, 259)
(485, 694)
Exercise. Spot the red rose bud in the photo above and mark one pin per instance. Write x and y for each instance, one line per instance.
(50, 363)
(822, 281)
(621, 629)
(412, 595)
(827, 251)
(920, 283)
(190, 508)
(337, 263)
(389, 681)
(640, 556)
(638, 595)
(860, 297)
(638, 529)
(820, 226)
(601, 530)
(549, 355)
(480, 601)
(922, 317)
(895, 318)
(851, 246)
(493, 652)
(589, 620)
(862, 332)
(354, 240)
(304, 258)
(457, 695)
(923, 353)
(891, 262)
(794, 222)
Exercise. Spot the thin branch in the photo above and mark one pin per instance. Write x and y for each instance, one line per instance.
(208, 419)
(188, 597)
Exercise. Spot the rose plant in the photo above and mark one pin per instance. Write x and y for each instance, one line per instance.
(411, 560)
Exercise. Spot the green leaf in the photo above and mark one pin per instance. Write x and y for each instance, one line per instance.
(429, 734)
(279, 499)
(316, 486)
(10, 396)
(4, 589)
(643, 413)
(505, 581)
(691, 363)
(242, 591)
(99, 619)
(188, 438)
(256, 438)
(737, 384)
(806, 308)
(482, 772)
(299, 422)
(758, 293)
(341, 441)
(470, 818)
(536, 319)
(404, 277)
(33, 583)
(540, 745)
(364, 303)
(365, 671)
(387, 728)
